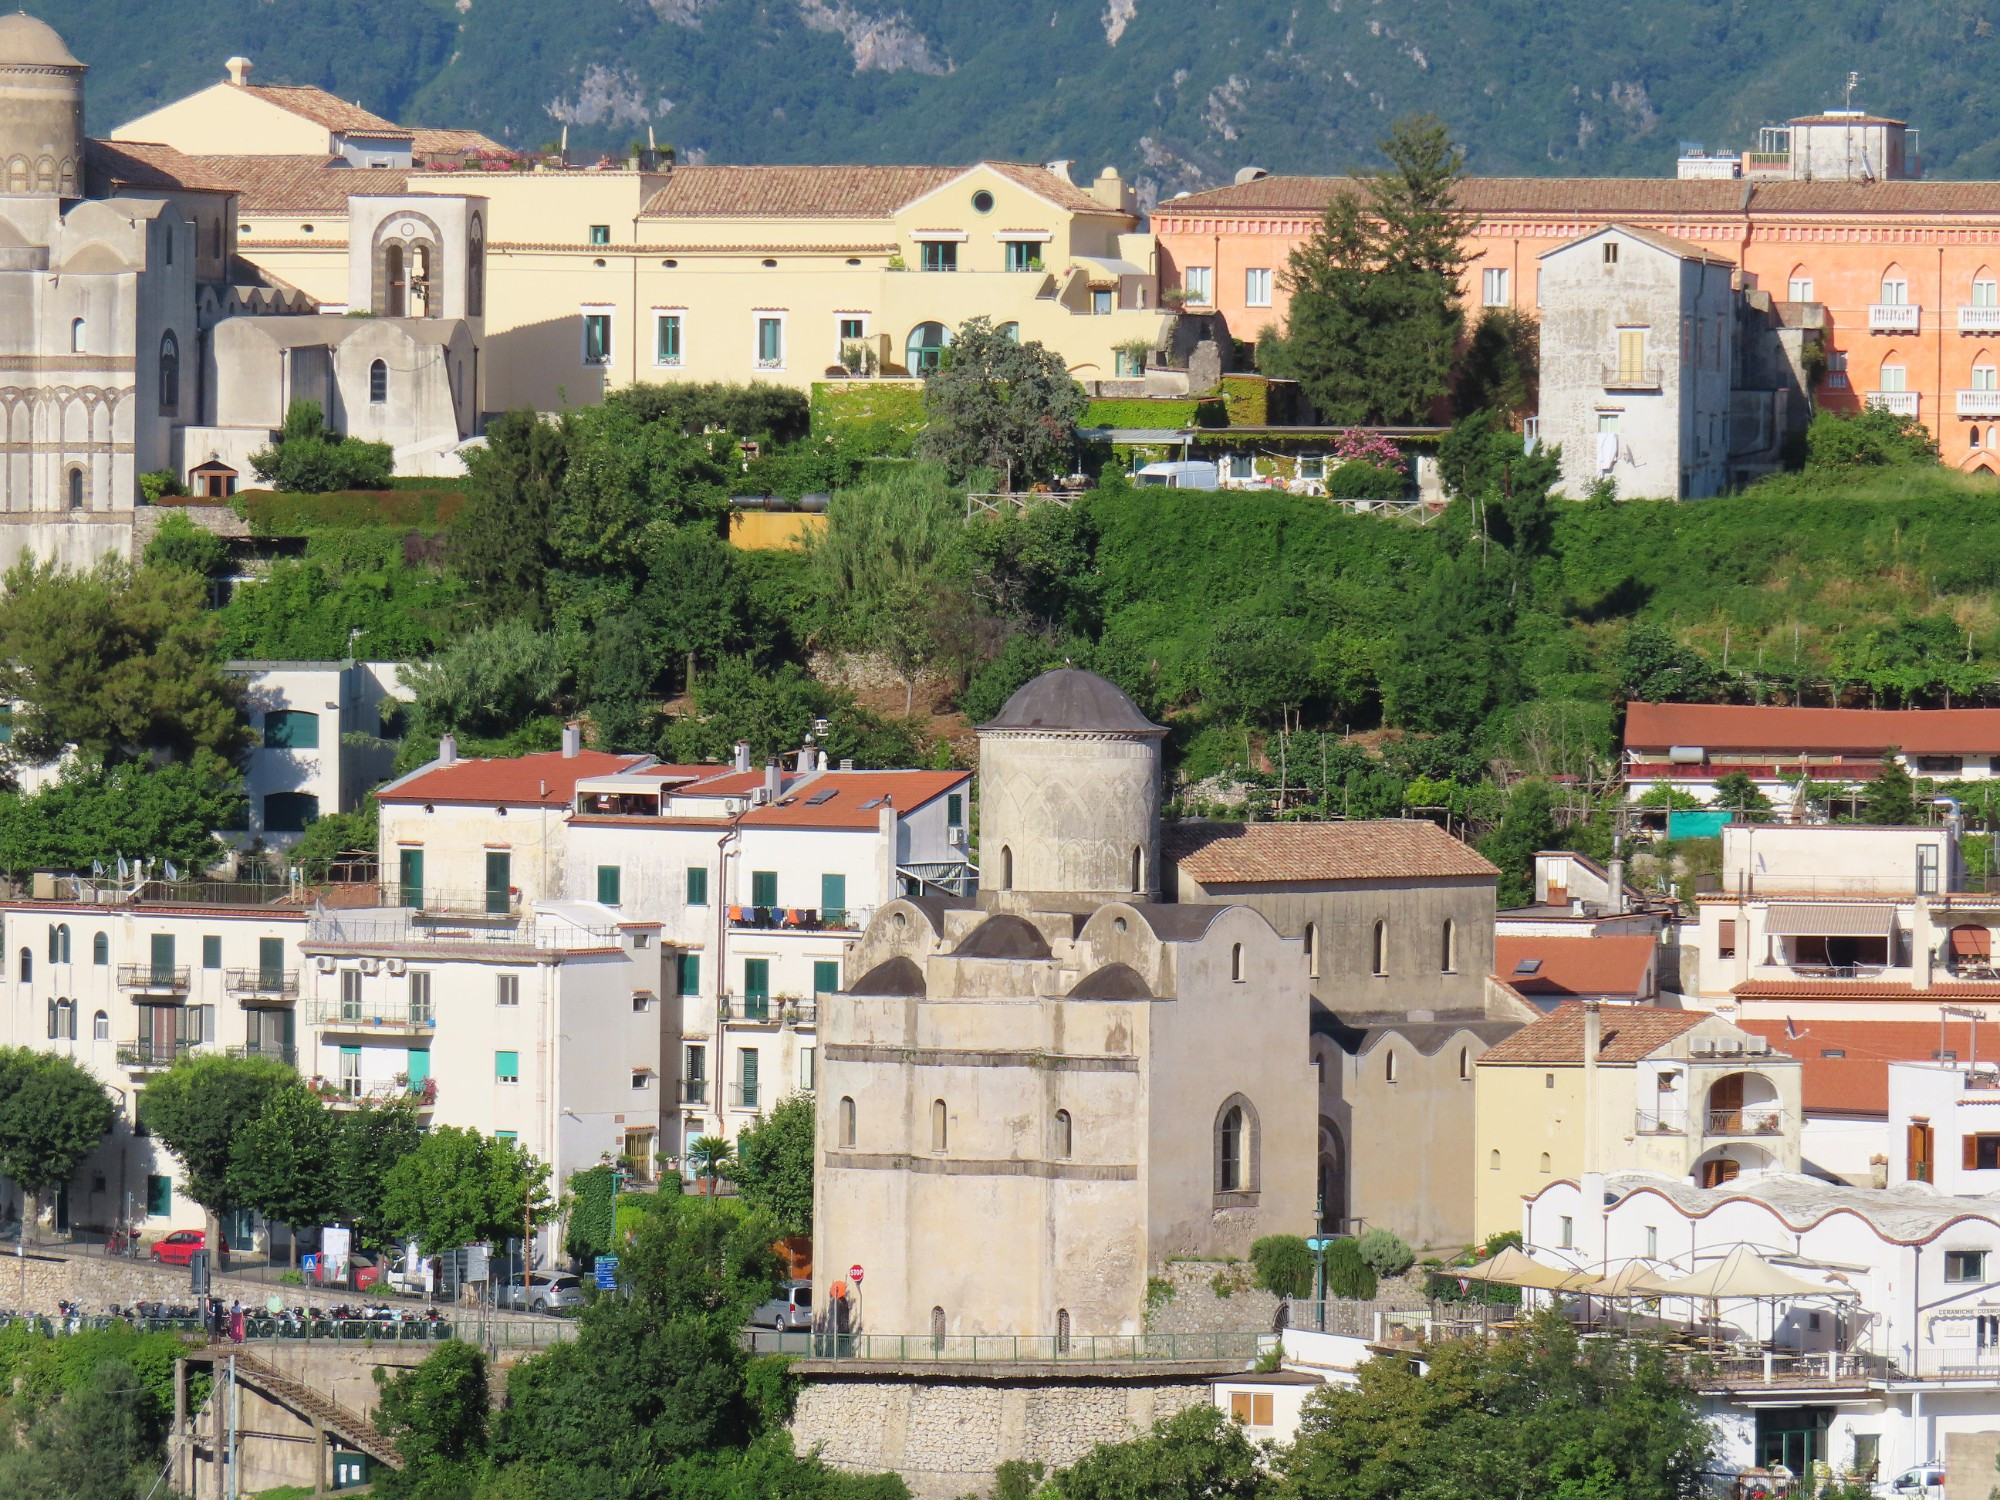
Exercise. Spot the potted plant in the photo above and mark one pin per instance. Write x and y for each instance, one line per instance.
(1174, 298)
(1132, 356)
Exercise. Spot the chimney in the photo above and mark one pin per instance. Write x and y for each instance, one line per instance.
(448, 750)
(572, 740)
(822, 760)
(742, 760)
(774, 781)
(805, 758)
(847, 763)
(238, 69)
(1061, 169)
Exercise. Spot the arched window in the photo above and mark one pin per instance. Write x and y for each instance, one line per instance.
(1545, 1161)
(170, 373)
(76, 340)
(1006, 868)
(1138, 869)
(1448, 948)
(1799, 286)
(1894, 380)
(1236, 1146)
(76, 489)
(1062, 1330)
(1975, 434)
(1064, 1137)
(1380, 955)
(27, 966)
(847, 1122)
(475, 272)
(1389, 1066)
(59, 943)
(937, 1330)
(100, 1027)
(925, 350)
(1493, 1160)
(100, 949)
(378, 382)
(1236, 962)
(1985, 290)
(1312, 950)
(1895, 286)
(395, 285)
(1464, 1062)
(1010, 330)
(938, 1125)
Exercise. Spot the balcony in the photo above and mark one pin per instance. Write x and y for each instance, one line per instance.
(694, 1092)
(1979, 320)
(262, 984)
(1622, 377)
(289, 1056)
(1893, 317)
(800, 918)
(352, 1093)
(768, 1010)
(1752, 1119)
(1979, 403)
(146, 1056)
(745, 1096)
(167, 978)
(1903, 403)
(1650, 1123)
(389, 1017)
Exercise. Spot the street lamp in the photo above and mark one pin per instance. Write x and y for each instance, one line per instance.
(1318, 1245)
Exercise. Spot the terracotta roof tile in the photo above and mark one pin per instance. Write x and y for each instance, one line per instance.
(299, 184)
(1857, 1081)
(426, 141)
(1389, 849)
(316, 104)
(110, 166)
(1629, 1033)
(1671, 244)
(1743, 728)
(1044, 183)
(545, 780)
(834, 192)
(1586, 967)
(1861, 989)
(852, 793)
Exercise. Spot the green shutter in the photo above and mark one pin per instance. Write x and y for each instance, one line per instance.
(833, 899)
(826, 975)
(163, 958)
(159, 1196)
(270, 963)
(419, 1066)
(749, 1066)
(954, 810)
(499, 877)
(756, 988)
(211, 952)
(507, 1066)
(607, 884)
(410, 873)
(763, 887)
(697, 885)
(690, 973)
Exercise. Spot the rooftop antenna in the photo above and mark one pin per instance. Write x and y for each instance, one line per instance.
(1853, 83)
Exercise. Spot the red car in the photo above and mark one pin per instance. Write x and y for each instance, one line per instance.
(178, 1248)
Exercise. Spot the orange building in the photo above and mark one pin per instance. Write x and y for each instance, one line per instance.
(1906, 269)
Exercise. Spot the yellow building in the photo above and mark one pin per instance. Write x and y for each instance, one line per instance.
(1593, 1088)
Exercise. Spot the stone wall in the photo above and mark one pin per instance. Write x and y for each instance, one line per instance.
(1198, 1304)
(37, 1283)
(946, 1434)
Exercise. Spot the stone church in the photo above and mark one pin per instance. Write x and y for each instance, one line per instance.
(1030, 1101)
(133, 339)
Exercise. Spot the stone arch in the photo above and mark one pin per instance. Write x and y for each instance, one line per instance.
(45, 174)
(1236, 1146)
(66, 178)
(407, 270)
(475, 270)
(1332, 1178)
(19, 174)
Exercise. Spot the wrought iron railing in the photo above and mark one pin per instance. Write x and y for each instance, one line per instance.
(278, 984)
(153, 976)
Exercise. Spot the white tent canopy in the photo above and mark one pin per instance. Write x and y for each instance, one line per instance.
(1745, 1273)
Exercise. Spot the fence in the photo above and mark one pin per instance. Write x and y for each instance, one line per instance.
(490, 1333)
(1012, 1348)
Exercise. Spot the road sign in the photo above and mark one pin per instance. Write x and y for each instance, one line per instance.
(854, 1274)
(838, 1291)
(607, 1273)
(1316, 1245)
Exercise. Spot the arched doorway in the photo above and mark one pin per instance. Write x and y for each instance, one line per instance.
(925, 349)
(1332, 1178)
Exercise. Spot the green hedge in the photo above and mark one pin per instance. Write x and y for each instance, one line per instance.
(1248, 400)
(274, 513)
(868, 418)
(1142, 411)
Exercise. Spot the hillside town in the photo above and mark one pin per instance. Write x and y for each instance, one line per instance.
(909, 832)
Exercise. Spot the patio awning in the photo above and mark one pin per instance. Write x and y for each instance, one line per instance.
(1971, 942)
(1745, 1273)
(1826, 919)
(1634, 1279)
(1512, 1267)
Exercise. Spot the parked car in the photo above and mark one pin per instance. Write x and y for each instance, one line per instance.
(178, 1248)
(792, 1308)
(1919, 1482)
(362, 1271)
(545, 1291)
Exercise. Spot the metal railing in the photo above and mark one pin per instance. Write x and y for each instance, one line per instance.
(1833, 971)
(1893, 317)
(1622, 377)
(745, 1096)
(352, 1093)
(1014, 1348)
(152, 976)
(1957, 1364)
(1751, 1119)
(376, 929)
(1652, 1123)
(279, 983)
(1979, 403)
(289, 1056)
(339, 1015)
(768, 1010)
(1775, 1367)
(492, 1333)
(1903, 403)
(694, 1091)
(800, 918)
(146, 1054)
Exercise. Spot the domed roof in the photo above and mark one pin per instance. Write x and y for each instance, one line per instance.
(1068, 699)
(23, 39)
(1004, 935)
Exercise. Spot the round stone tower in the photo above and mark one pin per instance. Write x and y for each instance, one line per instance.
(41, 110)
(1069, 800)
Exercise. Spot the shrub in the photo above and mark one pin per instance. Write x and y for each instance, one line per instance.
(1385, 1252)
(1869, 439)
(179, 543)
(159, 484)
(1357, 479)
(1284, 1265)
(1347, 1274)
(311, 458)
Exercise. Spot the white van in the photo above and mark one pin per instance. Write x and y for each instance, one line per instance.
(1918, 1482)
(1179, 474)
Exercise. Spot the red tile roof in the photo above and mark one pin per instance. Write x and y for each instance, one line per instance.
(111, 166)
(1383, 849)
(298, 184)
(852, 792)
(322, 108)
(1857, 1081)
(430, 142)
(1587, 967)
(545, 780)
(1860, 989)
(1629, 1033)
(1745, 729)
(702, 192)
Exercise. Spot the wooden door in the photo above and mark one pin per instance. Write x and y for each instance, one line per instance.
(1921, 1152)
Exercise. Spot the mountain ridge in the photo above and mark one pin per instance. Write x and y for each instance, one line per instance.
(1177, 93)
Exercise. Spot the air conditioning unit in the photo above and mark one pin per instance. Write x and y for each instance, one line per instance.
(370, 965)
(324, 963)
(1733, 1047)
(1704, 1046)
(955, 837)
(397, 966)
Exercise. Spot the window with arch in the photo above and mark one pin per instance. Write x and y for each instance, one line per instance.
(937, 1330)
(59, 943)
(1062, 1330)
(1493, 1160)
(1799, 287)
(925, 348)
(1448, 948)
(170, 372)
(62, 1019)
(847, 1122)
(378, 382)
(1312, 950)
(1985, 290)
(1893, 380)
(100, 1027)
(1545, 1165)
(1065, 1137)
(1006, 868)
(1464, 1063)
(1138, 868)
(1895, 287)
(395, 281)
(1236, 1146)
(100, 949)
(27, 966)
(77, 489)
(1379, 950)
(1985, 377)
(1389, 1066)
(940, 1125)
(76, 338)
(475, 271)
(1236, 962)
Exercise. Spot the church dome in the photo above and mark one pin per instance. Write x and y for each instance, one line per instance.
(27, 42)
(1068, 700)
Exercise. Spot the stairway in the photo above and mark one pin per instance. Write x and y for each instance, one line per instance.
(354, 1430)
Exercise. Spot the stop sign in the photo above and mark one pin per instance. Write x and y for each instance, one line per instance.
(854, 1274)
